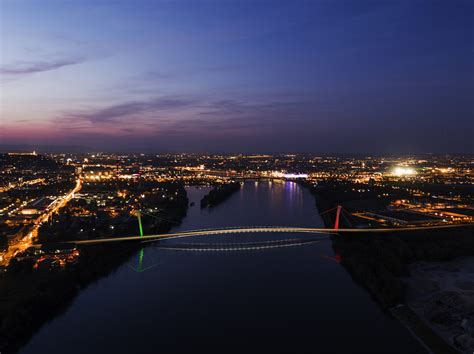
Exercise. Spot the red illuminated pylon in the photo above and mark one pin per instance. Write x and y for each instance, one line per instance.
(338, 213)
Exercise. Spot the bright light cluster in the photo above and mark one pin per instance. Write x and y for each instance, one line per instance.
(403, 171)
(278, 174)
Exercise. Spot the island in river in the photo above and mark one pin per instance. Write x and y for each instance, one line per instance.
(219, 194)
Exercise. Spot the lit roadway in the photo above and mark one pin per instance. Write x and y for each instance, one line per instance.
(262, 229)
(27, 241)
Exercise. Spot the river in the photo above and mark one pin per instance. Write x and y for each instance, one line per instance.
(281, 300)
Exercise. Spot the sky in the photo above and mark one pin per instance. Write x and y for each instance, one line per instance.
(322, 76)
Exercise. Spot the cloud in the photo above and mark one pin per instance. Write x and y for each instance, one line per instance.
(24, 68)
(156, 75)
(241, 108)
(111, 113)
(240, 118)
(191, 117)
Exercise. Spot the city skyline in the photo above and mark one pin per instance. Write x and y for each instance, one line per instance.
(335, 77)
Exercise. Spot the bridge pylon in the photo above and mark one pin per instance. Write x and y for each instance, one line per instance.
(338, 215)
(139, 217)
(141, 253)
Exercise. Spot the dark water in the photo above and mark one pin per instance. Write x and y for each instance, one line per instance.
(288, 300)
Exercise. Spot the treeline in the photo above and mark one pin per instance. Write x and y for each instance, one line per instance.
(219, 193)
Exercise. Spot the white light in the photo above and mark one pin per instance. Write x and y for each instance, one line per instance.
(295, 175)
(403, 171)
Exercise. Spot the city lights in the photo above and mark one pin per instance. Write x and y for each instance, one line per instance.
(95, 198)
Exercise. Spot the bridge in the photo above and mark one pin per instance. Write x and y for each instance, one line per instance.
(320, 233)
(264, 229)
(311, 236)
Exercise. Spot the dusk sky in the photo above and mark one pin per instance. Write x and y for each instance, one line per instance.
(239, 76)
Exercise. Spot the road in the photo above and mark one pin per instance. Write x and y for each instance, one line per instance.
(27, 241)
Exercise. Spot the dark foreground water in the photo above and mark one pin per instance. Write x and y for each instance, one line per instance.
(288, 300)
